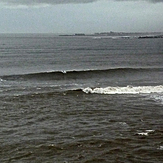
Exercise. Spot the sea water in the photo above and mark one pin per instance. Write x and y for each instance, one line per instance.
(80, 100)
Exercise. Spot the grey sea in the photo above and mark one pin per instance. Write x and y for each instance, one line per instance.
(81, 99)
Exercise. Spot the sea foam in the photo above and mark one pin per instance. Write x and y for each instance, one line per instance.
(157, 97)
(146, 133)
(125, 90)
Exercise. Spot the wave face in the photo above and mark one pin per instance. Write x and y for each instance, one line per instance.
(125, 90)
(81, 74)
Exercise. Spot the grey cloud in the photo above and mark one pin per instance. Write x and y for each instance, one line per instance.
(153, 1)
(53, 2)
(156, 0)
(50, 2)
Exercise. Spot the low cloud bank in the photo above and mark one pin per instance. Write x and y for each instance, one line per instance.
(54, 2)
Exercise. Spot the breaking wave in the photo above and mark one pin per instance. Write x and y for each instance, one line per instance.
(78, 74)
(125, 90)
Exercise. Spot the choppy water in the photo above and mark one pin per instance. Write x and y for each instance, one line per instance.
(81, 100)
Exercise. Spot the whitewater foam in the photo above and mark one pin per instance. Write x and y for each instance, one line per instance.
(125, 90)
(160, 148)
(146, 133)
(157, 98)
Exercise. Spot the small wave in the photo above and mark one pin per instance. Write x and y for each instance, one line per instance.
(125, 90)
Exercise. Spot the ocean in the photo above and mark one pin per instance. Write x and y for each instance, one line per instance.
(80, 99)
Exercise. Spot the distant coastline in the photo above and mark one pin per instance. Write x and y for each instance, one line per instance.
(140, 35)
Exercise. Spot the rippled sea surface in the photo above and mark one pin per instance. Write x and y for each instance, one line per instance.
(80, 99)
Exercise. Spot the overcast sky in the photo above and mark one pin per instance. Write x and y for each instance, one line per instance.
(80, 16)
